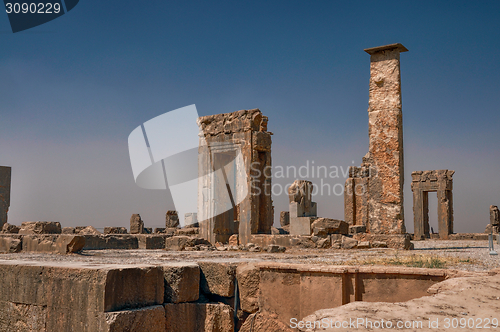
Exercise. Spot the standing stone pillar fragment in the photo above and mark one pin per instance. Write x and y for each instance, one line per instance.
(5, 179)
(385, 130)
(374, 191)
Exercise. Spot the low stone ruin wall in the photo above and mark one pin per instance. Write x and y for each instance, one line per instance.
(189, 297)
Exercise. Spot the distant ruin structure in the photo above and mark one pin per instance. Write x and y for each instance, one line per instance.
(234, 176)
(373, 194)
(423, 182)
(494, 225)
(302, 210)
(5, 179)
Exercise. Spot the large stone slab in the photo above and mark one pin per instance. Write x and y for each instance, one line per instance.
(326, 226)
(136, 224)
(150, 319)
(97, 242)
(182, 282)
(10, 243)
(75, 297)
(147, 241)
(61, 244)
(248, 276)
(218, 278)
(301, 225)
(199, 317)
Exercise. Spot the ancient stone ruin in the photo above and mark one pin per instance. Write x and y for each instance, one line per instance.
(374, 192)
(422, 183)
(5, 173)
(234, 193)
(302, 210)
(494, 225)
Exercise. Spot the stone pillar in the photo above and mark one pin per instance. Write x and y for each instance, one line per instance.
(385, 129)
(494, 218)
(303, 210)
(171, 219)
(5, 179)
(136, 224)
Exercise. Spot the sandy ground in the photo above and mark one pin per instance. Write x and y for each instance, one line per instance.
(463, 255)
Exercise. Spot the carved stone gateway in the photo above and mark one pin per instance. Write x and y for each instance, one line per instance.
(234, 176)
(422, 183)
(373, 194)
(5, 173)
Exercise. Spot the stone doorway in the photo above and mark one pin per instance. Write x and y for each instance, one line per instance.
(441, 182)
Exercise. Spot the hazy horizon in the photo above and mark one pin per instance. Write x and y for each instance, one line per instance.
(73, 89)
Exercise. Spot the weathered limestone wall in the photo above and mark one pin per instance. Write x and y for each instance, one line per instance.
(379, 205)
(5, 174)
(234, 197)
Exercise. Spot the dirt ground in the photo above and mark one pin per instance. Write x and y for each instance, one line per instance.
(466, 255)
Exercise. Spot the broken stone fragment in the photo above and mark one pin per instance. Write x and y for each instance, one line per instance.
(348, 243)
(182, 282)
(233, 240)
(248, 276)
(40, 227)
(217, 278)
(363, 245)
(10, 229)
(326, 226)
(115, 230)
(89, 230)
(171, 219)
(357, 229)
(284, 218)
(136, 224)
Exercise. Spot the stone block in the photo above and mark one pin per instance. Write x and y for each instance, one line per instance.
(188, 231)
(87, 230)
(150, 319)
(217, 278)
(115, 230)
(363, 245)
(10, 229)
(494, 215)
(233, 240)
(97, 242)
(61, 244)
(191, 220)
(179, 243)
(40, 227)
(248, 276)
(284, 218)
(10, 243)
(75, 296)
(199, 317)
(323, 243)
(149, 241)
(378, 244)
(171, 219)
(357, 229)
(182, 282)
(301, 225)
(68, 230)
(136, 224)
(348, 243)
(325, 226)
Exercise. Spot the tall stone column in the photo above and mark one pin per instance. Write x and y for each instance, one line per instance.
(385, 202)
(5, 173)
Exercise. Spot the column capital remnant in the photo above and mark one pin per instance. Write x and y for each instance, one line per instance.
(377, 49)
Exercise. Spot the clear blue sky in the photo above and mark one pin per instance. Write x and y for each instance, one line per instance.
(72, 90)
